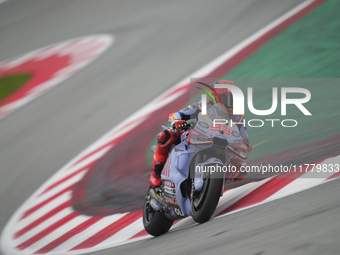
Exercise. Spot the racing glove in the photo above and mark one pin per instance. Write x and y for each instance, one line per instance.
(178, 124)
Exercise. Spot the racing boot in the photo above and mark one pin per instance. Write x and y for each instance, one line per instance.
(165, 139)
(155, 179)
(157, 167)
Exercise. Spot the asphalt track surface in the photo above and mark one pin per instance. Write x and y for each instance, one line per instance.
(303, 223)
(157, 45)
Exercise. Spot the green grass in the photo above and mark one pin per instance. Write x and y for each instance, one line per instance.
(11, 83)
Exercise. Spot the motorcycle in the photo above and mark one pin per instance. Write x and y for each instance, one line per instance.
(190, 185)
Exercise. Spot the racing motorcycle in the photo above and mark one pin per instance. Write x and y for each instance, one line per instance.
(190, 185)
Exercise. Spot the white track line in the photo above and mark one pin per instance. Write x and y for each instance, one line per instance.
(81, 237)
(124, 234)
(58, 188)
(230, 197)
(56, 234)
(44, 210)
(278, 195)
(70, 181)
(308, 180)
(60, 215)
(88, 160)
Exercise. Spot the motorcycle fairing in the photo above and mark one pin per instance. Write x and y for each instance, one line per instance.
(176, 170)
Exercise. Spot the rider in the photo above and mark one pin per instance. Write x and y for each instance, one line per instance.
(168, 137)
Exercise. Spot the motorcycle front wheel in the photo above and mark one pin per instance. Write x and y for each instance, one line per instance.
(203, 206)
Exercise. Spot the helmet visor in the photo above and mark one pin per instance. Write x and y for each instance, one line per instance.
(227, 100)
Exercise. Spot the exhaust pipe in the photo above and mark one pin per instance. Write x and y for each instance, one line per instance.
(153, 195)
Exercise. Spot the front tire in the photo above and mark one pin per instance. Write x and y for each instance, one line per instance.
(155, 223)
(203, 208)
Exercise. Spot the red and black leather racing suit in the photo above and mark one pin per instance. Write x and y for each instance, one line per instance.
(169, 137)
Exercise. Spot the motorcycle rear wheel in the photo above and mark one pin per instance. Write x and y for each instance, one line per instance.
(155, 223)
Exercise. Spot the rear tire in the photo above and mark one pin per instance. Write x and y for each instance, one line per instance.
(211, 197)
(155, 223)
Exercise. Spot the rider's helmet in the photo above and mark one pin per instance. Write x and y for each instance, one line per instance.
(225, 95)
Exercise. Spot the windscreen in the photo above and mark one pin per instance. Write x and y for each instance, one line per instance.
(217, 111)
